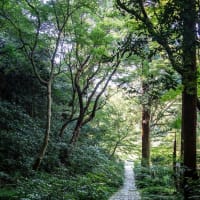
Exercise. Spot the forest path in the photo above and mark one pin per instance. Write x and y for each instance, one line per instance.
(129, 190)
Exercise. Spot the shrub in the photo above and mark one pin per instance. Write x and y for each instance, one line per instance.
(84, 158)
(98, 184)
(156, 183)
(19, 139)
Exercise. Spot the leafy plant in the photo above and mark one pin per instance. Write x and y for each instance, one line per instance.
(156, 183)
(100, 183)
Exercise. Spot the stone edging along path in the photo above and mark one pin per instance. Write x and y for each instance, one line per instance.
(129, 190)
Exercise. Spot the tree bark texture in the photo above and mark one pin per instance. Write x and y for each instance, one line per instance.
(145, 137)
(145, 129)
(43, 149)
(189, 94)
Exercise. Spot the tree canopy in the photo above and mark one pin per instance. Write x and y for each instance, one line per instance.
(86, 85)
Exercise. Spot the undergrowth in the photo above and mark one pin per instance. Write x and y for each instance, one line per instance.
(89, 174)
(156, 183)
(100, 183)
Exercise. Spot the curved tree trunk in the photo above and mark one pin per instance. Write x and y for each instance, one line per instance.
(40, 157)
(76, 133)
(114, 149)
(61, 133)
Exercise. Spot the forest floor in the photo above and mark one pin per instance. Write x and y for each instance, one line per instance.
(129, 190)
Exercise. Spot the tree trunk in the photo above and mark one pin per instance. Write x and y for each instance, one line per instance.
(76, 133)
(174, 154)
(145, 137)
(189, 139)
(63, 129)
(189, 81)
(189, 134)
(175, 167)
(114, 149)
(182, 128)
(38, 160)
(189, 94)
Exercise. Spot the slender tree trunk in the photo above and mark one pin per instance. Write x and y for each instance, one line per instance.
(114, 149)
(63, 129)
(145, 137)
(174, 154)
(175, 169)
(76, 132)
(40, 157)
(182, 137)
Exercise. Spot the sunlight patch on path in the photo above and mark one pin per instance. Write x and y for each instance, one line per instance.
(129, 190)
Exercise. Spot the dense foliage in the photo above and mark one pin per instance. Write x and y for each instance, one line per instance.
(89, 174)
(80, 80)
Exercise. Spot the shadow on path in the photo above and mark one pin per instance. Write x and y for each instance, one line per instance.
(129, 190)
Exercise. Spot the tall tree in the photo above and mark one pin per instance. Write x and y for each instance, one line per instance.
(93, 60)
(172, 25)
(154, 78)
(189, 81)
(42, 28)
(145, 128)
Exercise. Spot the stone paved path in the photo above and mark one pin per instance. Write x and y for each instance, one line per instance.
(129, 190)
